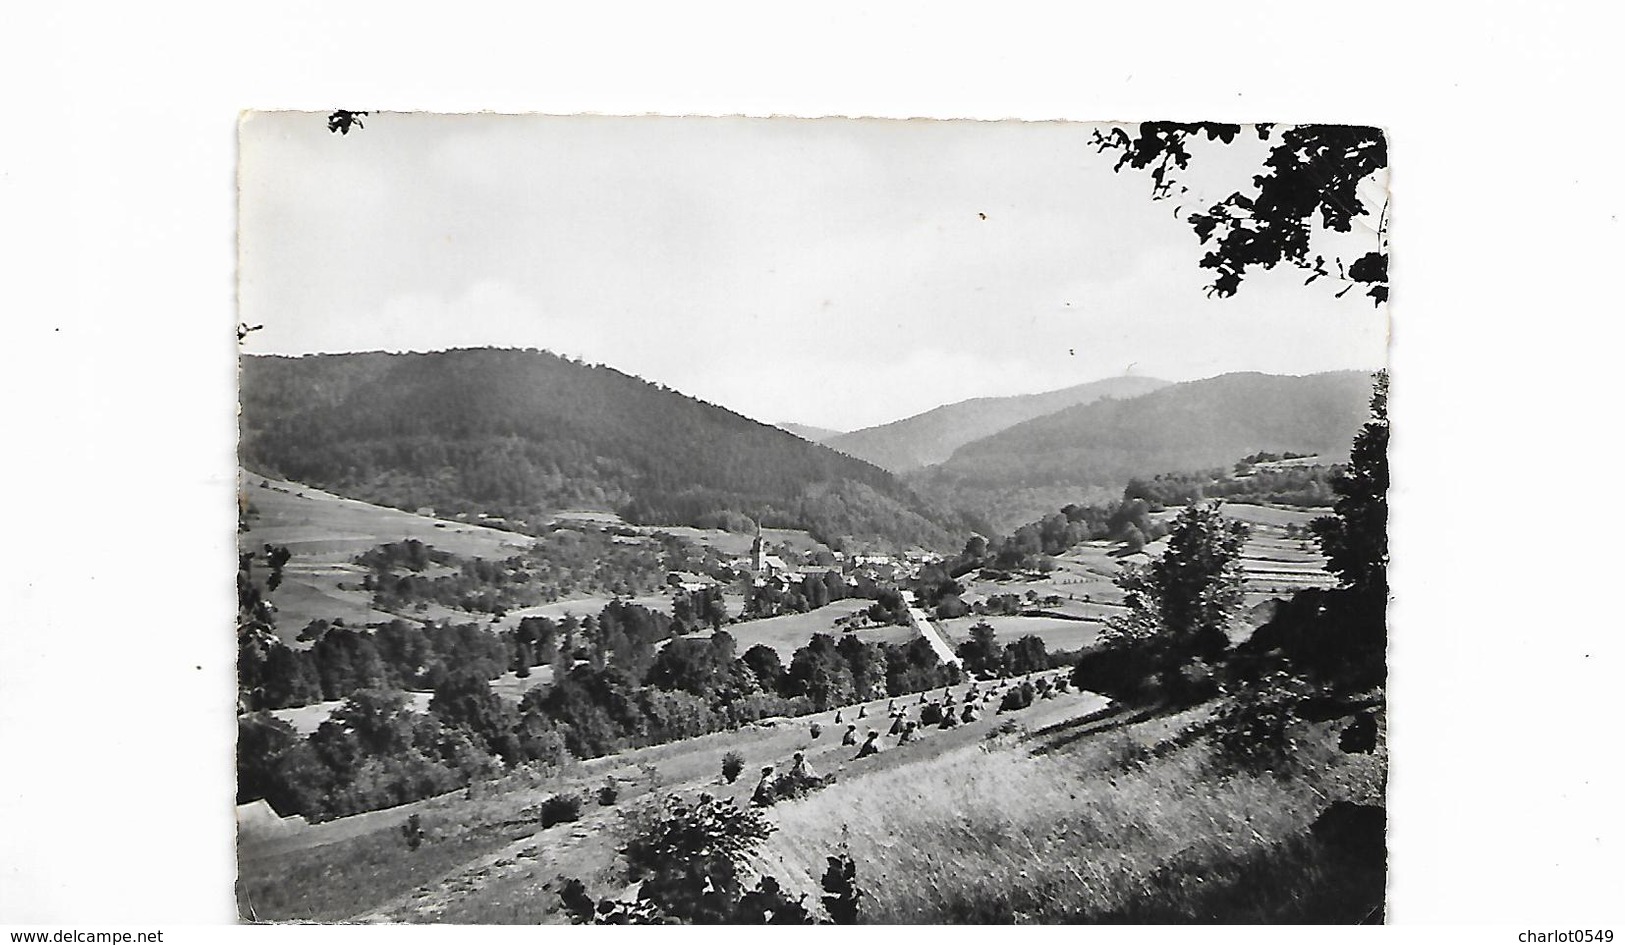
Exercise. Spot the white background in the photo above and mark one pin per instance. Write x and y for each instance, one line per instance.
(116, 212)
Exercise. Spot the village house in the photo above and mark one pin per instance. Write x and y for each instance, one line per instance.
(690, 581)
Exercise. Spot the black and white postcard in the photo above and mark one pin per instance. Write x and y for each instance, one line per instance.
(805, 521)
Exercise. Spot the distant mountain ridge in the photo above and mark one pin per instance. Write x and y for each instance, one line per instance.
(931, 437)
(1097, 447)
(807, 432)
(520, 433)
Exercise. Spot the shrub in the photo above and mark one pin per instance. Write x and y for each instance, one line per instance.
(1356, 833)
(841, 893)
(1123, 671)
(689, 861)
(560, 808)
(584, 910)
(413, 831)
(608, 795)
(1195, 682)
(1253, 728)
(931, 714)
(733, 763)
(1360, 737)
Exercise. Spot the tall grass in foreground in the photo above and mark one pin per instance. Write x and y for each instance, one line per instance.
(1127, 825)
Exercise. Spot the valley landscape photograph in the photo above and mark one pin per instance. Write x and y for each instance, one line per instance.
(810, 521)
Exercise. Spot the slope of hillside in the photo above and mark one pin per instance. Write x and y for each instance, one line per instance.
(931, 437)
(1099, 446)
(521, 433)
(325, 532)
(810, 433)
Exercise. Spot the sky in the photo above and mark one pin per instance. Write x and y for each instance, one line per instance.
(834, 272)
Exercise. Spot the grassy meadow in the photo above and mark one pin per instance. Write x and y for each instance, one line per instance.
(325, 532)
(488, 860)
(1058, 633)
(1132, 823)
(788, 632)
(1068, 811)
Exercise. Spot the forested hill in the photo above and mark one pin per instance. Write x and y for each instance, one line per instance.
(522, 433)
(807, 432)
(1193, 425)
(931, 437)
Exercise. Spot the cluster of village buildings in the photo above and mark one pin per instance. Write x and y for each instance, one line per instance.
(765, 567)
(768, 569)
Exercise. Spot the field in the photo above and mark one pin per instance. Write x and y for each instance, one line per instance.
(1082, 579)
(1277, 566)
(306, 718)
(1272, 515)
(489, 860)
(1057, 633)
(731, 544)
(1088, 820)
(312, 522)
(1274, 566)
(1067, 811)
(1295, 462)
(325, 531)
(789, 632)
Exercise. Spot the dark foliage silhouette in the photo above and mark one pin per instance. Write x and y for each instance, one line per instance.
(1355, 538)
(342, 120)
(412, 831)
(1310, 179)
(559, 809)
(841, 892)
